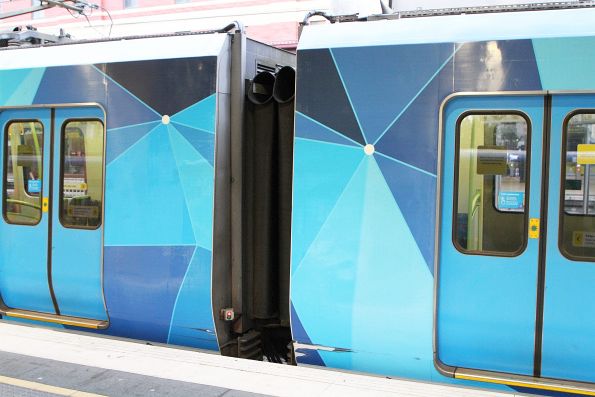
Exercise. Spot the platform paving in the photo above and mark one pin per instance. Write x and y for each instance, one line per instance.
(35, 360)
(97, 381)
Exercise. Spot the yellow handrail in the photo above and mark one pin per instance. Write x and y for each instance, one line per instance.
(25, 203)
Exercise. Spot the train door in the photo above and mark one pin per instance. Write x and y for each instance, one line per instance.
(489, 246)
(517, 240)
(569, 297)
(51, 234)
(24, 228)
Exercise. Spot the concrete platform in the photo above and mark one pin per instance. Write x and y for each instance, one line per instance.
(46, 362)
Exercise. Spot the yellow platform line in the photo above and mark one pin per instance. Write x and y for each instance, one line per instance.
(45, 388)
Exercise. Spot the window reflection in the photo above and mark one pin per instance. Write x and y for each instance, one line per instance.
(577, 234)
(82, 174)
(23, 179)
(492, 170)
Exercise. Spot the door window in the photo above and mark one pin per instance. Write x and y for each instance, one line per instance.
(491, 173)
(577, 234)
(23, 166)
(81, 188)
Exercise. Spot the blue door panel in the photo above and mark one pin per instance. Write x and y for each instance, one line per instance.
(77, 262)
(486, 304)
(569, 313)
(23, 248)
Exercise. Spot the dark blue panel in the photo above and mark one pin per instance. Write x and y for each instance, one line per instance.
(415, 194)
(167, 85)
(78, 84)
(413, 138)
(383, 80)
(299, 334)
(140, 286)
(122, 138)
(321, 96)
(310, 129)
(202, 141)
(497, 66)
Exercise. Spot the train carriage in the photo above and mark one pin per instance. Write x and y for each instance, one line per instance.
(116, 196)
(442, 213)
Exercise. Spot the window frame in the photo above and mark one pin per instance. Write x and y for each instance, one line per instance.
(61, 165)
(5, 171)
(455, 205)
(562, 210)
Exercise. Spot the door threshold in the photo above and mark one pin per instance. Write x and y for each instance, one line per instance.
(530, 382)
(53, 318)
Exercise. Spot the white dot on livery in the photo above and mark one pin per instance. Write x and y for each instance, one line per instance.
(165, 119)
(369, 149)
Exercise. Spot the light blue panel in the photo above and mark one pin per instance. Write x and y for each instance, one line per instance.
(76, 272)
(324, 282)
(27, 89)
(393, 301)
(321, 172)
(197, 179)
(10, 80)
(192, 319)
(76, 253)
(452, 29)
(569, 314)
(23, 249)
(144, 193)
(487, 304)
(566, 63)
(201, 115)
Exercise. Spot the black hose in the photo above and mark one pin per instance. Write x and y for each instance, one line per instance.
(284, 88)
(261, 88)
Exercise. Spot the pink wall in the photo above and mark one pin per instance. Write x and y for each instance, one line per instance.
(283, 34)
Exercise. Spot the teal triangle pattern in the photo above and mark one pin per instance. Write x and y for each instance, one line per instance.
(391, 270)
(202, 141)
(324, 281)
(121, 139)
(308, 128)
(201, 115)
(197, 177)
(19, 86)
(137, 203)
(566, 63)
(192, 317)
(322, 170)
(394, 76)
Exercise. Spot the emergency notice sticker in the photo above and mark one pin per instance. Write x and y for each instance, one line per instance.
(491, 160)
(583, 239)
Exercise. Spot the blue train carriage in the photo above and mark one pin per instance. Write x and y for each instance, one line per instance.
(116, 193)
(443, 216)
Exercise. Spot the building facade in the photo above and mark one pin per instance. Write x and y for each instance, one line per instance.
(269, 21)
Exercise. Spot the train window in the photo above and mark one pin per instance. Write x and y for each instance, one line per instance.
(23, 172)
(577, 217)
(81, 182)
(491, 183)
